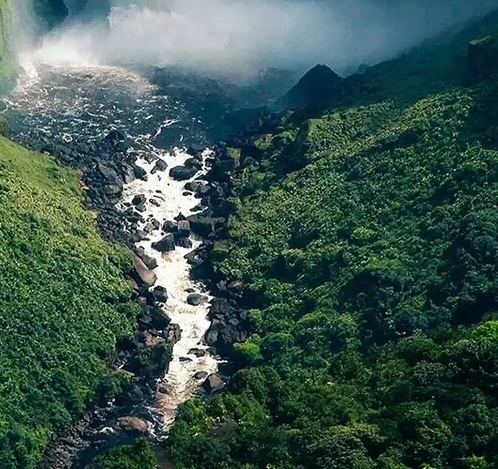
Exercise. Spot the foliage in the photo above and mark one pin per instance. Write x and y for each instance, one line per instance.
(136, 456)
(5, 44)
(63, 302)
(369, 244)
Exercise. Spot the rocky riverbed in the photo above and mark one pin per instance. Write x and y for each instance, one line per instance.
(153, 186)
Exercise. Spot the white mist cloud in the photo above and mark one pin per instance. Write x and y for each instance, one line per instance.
(245, 35)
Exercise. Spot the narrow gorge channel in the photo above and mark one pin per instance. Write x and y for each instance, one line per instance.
(125, 135)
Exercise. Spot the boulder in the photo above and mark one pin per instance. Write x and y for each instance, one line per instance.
(182, 173)
(193, 163)
(184, 242)
(193, 186)
(160, 165)
(139, 199)
(113, 190)
(149, 261)
(173, 334)
(149, 228)
(170, 226)
(201, 375)
(205, 226)
(140, 173)
(198, 352)
(114, 136)
(213, 383)
(108, 173)
(196, 299)
(146, 276)
(133, 424)
(153, 317)
(166, 244)
(128, 173)
(160, 294)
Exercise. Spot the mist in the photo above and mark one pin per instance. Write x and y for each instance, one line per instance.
(244, 36)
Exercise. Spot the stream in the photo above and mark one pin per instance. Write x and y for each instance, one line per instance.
(71, 106)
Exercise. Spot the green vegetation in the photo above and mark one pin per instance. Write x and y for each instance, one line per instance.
(5, 56)
(367, 238)
(136, 456)
(63, 302)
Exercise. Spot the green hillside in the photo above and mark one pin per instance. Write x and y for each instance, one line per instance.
(63, 301)
(367, 237)
(5, 57)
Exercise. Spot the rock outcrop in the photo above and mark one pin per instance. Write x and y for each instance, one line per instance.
(317, 88)
(482, 57)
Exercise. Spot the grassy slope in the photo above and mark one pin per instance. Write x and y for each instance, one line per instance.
(370, 269)
(62, 303)
(5, 57)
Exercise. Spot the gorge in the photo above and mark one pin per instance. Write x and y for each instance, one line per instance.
(208, 262)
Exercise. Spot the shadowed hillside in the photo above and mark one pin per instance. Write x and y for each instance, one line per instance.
(365, 233)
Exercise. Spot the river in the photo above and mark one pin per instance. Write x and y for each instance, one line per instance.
(72, 106)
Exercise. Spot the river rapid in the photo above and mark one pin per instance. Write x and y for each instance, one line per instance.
(81, 104)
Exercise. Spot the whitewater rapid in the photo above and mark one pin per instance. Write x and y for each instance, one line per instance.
(69, 104)
(166, 200)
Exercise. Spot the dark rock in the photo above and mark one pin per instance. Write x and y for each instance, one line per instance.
(170, 227)
(482, 58)
(193, 163)
(173, 334)
(153, 317)
(317, 88)
(200, 375)
(151, 362)
(114, 137)
(185, 359)
(183, 242)
(109, 173)
(205, 226)
(140, 173)
(223, 335)
(220, 307)
(127, 173)
(195, 299)
(141, 207)
(213, 383)
(165, 244)
(197, 352)
(193, 186)
(160, 294)
(149, 228)
(113, 190)
(236, 288)
(182, 173)
(159, 166)
(139, 199)
(195, 149)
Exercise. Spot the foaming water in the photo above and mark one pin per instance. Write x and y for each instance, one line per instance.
(165, 201)
(69, 104)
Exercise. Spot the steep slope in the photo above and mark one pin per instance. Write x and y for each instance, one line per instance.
(367, 240)
(63, 302)
(5, 56)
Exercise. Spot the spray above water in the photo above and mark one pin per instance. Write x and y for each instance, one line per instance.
(247, 35)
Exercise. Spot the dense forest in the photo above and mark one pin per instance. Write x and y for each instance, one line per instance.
(366, 235)
(63, 302)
